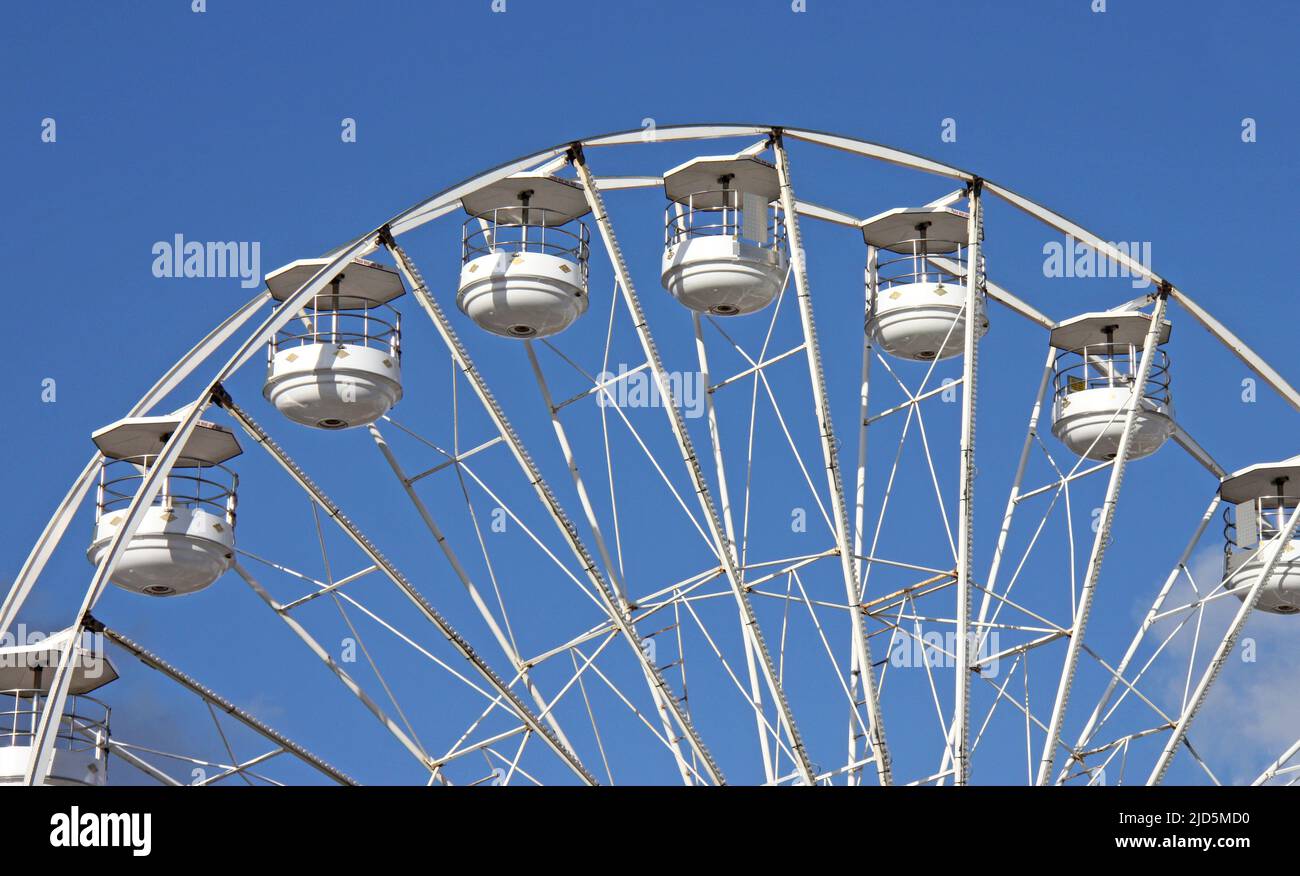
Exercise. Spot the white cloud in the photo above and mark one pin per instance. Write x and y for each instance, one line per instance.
(1253, 711)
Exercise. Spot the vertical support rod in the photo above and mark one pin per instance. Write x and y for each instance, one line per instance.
(715, 438)
(1101, 540)
(1013, 497)
(966, 501)
(1007, 515)
(870, 285)
(830, 456)
(696, 472)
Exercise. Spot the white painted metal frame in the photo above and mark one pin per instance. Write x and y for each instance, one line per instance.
(721, 548)
(616, 603)
(1099, 545)
(830, 457)
(662, 692)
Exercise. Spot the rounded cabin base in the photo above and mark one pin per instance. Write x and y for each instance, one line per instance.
(175, 551)
(722, 275)
(922, 321)
(1281, 594)
(1087, 422)
(333, 386)
(522, 294)
(79, 769)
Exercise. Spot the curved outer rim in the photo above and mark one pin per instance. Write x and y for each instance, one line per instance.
(713, 131)
(448, 199)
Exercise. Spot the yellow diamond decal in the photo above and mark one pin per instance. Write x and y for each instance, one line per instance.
(218, 527)
(292, 357)
(564, 268)
(473, 267)
(895, 295)
(114, 521)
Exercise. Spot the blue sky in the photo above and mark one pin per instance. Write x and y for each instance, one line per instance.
(225, 125)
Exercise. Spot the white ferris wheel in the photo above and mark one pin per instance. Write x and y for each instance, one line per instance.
(575, 527)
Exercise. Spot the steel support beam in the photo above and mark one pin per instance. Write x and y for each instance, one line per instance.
(1100, 542)
(153, 661)
(1197, 452)
(1014, 497)
(871, 281)
(431, 614)
(332, 665)
(830, 457)
(1004, 531)
(692, 461)
(724, 493)
(549, 501)
(966, 486)
(593, 523)
(141, 764)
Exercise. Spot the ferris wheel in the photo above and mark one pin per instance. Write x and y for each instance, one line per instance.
(737, 529)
